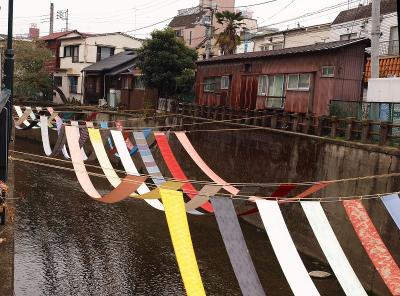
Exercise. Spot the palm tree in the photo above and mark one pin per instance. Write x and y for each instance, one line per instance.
(228, 39)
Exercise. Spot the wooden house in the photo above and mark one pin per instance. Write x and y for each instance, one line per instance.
(298, 79)
(118, 77)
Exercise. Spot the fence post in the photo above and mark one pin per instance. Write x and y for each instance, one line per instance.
(202, 111)
(295, 125)
(230, 111)
(334, 126)
(320, 126)
(307, 123)
(264, 118)
(274, 120)
(223, 113)
(349, 128)
(208, 112)
(190, 109)
(247, 115)
(257, 116)
(216, 110)
(384, 133)
(366, 129)
(196, 110)
(285, 120)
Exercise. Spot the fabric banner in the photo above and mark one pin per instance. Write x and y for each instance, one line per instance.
(20, 114)
(332, 249)
(187, 145)
(373, 245)
(130, 167)
(236, 247)
(392, 204)
(182, 242)
(285, 250)
(204, 196)
(61, 140)
(282, 191)
(149, 162)
(123, 189)
(4, 96)
(76, 123)
(148, 159)
(176, 169)
(23, 119)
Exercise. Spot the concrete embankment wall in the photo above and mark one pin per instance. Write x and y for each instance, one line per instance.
(266, 156)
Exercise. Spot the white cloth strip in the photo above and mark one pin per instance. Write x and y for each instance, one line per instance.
(333, 251)
(285, 250)
(84, 156)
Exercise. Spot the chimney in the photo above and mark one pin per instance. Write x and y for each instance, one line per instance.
(34, 32)
(51, 18)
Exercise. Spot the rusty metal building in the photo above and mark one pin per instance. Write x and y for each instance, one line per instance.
(300, 79)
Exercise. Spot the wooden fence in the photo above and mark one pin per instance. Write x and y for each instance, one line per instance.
(347, 129)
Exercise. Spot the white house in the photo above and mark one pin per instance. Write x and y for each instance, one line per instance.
(77, 51)
(356, 22)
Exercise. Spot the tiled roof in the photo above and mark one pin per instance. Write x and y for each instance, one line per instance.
(187, 21)
(55, 36)
(387, 6)
(289, 51)
(109, 64)
(388, 67)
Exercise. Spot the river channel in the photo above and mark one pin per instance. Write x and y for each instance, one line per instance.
(68, 244)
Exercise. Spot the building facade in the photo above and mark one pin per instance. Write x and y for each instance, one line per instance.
(299, 79)
(300, 36)
(77, 51)
(119, 81)
(356, 23)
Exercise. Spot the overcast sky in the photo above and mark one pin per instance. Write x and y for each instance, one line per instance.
(96, 16)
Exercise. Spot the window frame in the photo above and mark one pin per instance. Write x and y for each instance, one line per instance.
(328, 75)
(210, 84)
(263, 92)
(142, 87)
(57, 79)
(225, 82)
(99, 52)
(298, 88)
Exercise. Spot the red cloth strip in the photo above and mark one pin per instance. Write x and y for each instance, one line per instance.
(373, 245)
(92, 116)
(176, 169)
(282, 191)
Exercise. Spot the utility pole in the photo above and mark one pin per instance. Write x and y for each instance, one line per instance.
(51, 30)
(6, 113)
(375, 35)
(398, 23)
(209, 31)
(63, 15)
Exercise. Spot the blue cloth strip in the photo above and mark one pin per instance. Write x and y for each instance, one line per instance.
(392, 204)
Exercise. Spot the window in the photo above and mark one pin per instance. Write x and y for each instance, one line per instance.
(298, 82)
(393, 41)
(275, 91)
(126, 82)
(178, 33)
(104, 52)
(262, 85)
(209, 84)
(139, 82)
(225, 82)
(72, 51)
(348, 36)
(57, 81)
(304, 81)
(328, 71)
(247, 68)
(73, 84)
(277, 46)
(293, 81)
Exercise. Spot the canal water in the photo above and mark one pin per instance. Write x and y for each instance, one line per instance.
(68, 244)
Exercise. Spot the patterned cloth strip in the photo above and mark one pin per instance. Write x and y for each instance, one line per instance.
(236, 247)
(373, 245)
